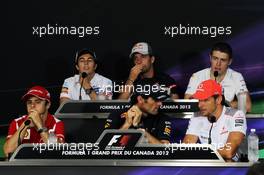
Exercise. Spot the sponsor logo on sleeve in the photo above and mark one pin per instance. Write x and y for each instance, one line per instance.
(239, 122)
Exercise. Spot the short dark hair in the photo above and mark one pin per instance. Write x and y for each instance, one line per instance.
(222, 47)
(83, 51)
(133, 98)
(223, 99)
(46, 102)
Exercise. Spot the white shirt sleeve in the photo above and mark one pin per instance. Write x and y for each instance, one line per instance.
(239, 123)
(240, 84)
(194, 127)
(103, 87)
(108, 89)
(65, 89)
(192, 86)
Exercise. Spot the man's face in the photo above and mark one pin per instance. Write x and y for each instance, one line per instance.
(34, 103)
(208, 106)
(86, 64)
(144, 60)
(150, 106)
(220, 61)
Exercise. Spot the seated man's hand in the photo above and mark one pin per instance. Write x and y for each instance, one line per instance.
(135, 71)
(133, 116)
(35, 118)
(233, 103)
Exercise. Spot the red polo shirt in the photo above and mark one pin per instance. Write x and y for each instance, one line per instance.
(32, 136)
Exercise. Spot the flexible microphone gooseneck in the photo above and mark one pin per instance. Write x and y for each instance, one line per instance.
(224, 102)
(212, 119)
(26, 123)
(84, 75)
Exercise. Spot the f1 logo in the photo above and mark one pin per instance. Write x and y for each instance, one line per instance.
(114, 140)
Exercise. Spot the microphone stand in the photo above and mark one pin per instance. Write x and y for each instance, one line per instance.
(84, 75)
(26, 123)
(212, 120)
(216, 75)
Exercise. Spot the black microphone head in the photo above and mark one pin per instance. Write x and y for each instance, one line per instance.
(212, 119)
(27, 122)
(215, 74)
(84, 74)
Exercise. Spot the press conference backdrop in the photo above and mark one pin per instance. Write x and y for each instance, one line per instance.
(40, 40)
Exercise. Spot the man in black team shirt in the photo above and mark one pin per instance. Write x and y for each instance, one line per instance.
(143, 60)
(144, 113)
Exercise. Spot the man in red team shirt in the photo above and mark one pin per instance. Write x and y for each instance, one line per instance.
(36, 126)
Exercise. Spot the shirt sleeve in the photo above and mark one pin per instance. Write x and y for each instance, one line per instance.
(193, 127)
(108, 89)
(238, 123)
(172, 85)
(164, 129)
(12, 129)
(65, 89)
(59, 130)
(193, 83)
(240, 84)
(169, 82)
(114, 121)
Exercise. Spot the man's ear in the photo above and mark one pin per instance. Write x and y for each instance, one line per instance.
(230, 61)
(210, 56)
(219, 99)
(140, 99)
(77, 67)
(47, 105)
(152, 59)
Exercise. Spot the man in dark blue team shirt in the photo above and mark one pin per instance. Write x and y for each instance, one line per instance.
(144, 113)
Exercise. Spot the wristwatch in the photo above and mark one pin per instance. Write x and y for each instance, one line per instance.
(44, 129)
(89, 91)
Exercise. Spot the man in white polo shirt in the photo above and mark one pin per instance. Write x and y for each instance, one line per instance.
(94, 86)
(232, 82)
(223, 127)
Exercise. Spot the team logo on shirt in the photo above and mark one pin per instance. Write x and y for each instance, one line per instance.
(27, 135)
(223, 131)
(239, 122)
(108, 123)
(167, 129)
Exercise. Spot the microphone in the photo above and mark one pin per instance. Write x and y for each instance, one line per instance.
(26, 123)
(84, 75)
(212, 119)
(216, 75)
